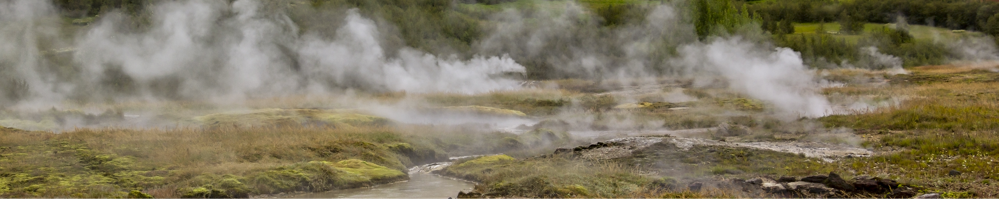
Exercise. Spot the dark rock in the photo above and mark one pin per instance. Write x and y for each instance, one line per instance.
(953, 173)
(810, 189)
(787, 179)
(902, 193)
(815, 178)
(930, 195)
(868, 185)
(837, 182)
(695, 187)
(887, 184)
(755, 181)
(562, 150)
(471, 194)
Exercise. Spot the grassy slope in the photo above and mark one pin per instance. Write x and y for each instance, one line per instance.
(948, 123)
(233, 161)
(919, 32)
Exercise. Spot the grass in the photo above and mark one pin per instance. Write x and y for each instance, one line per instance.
(228, 161)
(948, 123)
(918, 32)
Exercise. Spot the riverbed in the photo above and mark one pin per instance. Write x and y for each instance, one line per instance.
(419, 185)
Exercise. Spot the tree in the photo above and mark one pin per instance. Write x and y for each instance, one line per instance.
(822, 28)
(849, 24)
(704, 21)
(786, 26)
(992, 26)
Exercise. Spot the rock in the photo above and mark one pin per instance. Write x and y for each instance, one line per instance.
(868, 185)
(768, 185)
(810, 188)
(953, 173)
(562, 150)
(887, 184)
(930, 195)
(787, 179)
(774, 188)
(471, 194)
(902, 193)
(815, 178)
(837, 182)
(695, 187)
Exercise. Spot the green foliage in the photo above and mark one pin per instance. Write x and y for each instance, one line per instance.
(719, 17)
(850, 24)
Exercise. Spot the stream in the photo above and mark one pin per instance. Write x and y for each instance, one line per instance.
(421, 184)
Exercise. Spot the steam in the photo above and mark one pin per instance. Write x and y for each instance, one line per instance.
(638, 50)
(223, 52)
(775, 76)
(871, 58)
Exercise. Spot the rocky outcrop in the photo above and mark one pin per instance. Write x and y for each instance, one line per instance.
(837, 182)
(826, 186)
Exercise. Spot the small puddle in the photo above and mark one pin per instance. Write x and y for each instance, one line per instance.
(420, 185)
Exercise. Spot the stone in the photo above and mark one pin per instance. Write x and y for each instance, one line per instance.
(471, 194)
(755, 181)
(695, 187)
(868, 185)
(562, 150)
(787, 179)
(902, 193)
(815, 178)
(954, 173)
(887, 184)
(810, 188)
(774, 188)
(836, 182)
(930, 195)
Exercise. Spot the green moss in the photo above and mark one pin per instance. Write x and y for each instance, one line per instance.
(485, 160)
(138, 194)
(484, 110)
(43, 125)
(369, 170)
(273, 117)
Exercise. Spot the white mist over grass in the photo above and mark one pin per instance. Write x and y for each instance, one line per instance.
(227, 52)
(778, 76)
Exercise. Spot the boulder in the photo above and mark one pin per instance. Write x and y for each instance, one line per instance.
(902, 192)
(810, 188)
(887, 184)
(836, 182)
(471, 194)
(815, 178)
(787, 179)
(954, 173)
(930, 195)
(868, 185)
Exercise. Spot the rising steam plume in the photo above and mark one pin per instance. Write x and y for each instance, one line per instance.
(220, 51)
(223, 51)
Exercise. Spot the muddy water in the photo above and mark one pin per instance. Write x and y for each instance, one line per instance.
(420, 185)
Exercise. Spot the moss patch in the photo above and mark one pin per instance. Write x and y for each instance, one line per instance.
(284, 117)
(484, 110)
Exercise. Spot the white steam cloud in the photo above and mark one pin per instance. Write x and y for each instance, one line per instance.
(775, 76)
(222, 51)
